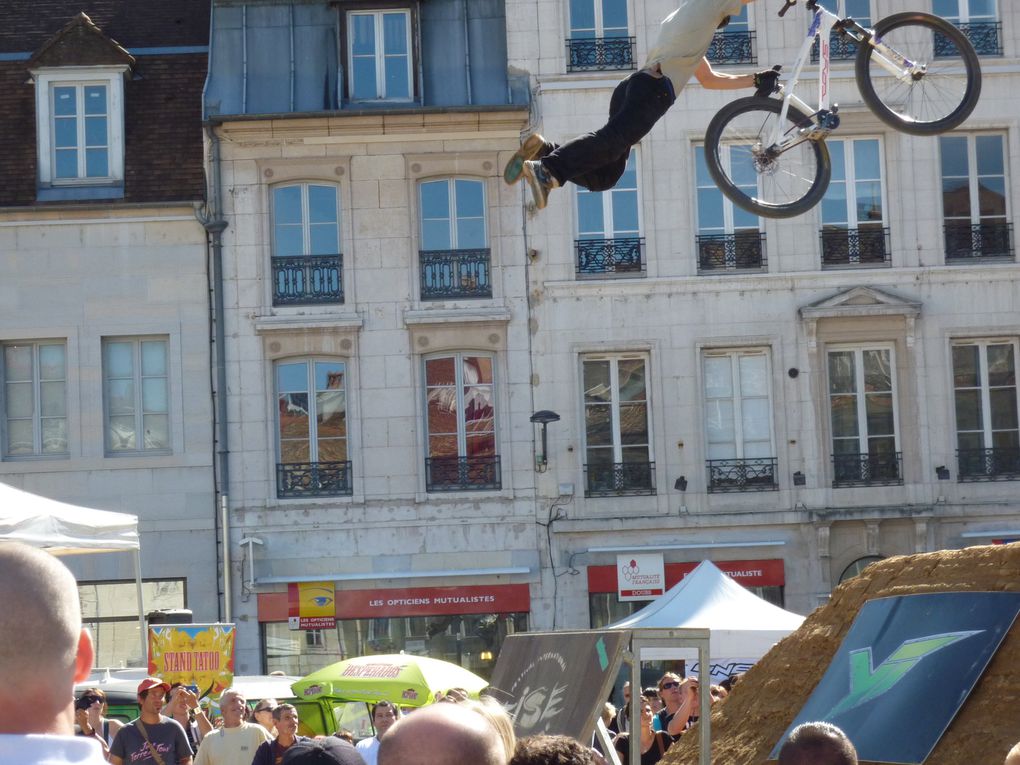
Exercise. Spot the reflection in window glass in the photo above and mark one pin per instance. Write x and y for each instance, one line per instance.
(136, 388)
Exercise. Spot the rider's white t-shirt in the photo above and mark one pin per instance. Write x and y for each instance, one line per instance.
(685, 35)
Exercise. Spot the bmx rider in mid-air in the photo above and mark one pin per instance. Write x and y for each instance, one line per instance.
(597, 160)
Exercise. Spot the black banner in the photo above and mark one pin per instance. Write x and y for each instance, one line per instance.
(905, 668)
(557, 682)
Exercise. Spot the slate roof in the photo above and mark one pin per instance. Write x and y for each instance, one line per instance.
(163, 95)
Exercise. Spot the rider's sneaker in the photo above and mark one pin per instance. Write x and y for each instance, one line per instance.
(540, 180)
(531, 148)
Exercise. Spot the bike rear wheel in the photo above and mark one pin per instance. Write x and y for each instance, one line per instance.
(739, 161)
(933, 100)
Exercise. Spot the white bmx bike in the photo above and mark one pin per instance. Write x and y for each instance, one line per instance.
(916, 72)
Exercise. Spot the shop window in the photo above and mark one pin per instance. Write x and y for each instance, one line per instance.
(110, 611)
(472, 641)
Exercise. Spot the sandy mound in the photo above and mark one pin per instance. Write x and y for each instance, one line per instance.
(748, 724)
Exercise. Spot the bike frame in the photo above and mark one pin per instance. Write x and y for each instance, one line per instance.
(822, 116)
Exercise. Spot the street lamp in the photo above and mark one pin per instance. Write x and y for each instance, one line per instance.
(543, 418)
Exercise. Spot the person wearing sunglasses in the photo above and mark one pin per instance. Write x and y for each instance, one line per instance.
(680, 703)
(89, 717)
(263, 714)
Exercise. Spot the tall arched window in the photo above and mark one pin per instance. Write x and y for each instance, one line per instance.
(307, 262)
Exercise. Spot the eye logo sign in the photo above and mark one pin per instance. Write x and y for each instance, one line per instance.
(867, 682)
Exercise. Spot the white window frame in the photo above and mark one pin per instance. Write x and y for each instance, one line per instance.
(380, 55)
(48, 79)
(37, 417)
(609, 230)
(139, 413)
(850, 183)
(306, 224)
(860, 394)
(451, 190)
(986, 404)
(974, 180)
(963, 13)
(599, 32)
(311, 391)
(614, 360)
(734, 356)
(459, 386)
(729, 209)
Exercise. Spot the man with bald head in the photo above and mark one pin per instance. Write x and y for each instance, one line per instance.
(817, 743)
(44, 651)
(446, 733)
(1013, 758)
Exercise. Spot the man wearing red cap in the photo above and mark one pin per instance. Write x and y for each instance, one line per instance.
(152, 739)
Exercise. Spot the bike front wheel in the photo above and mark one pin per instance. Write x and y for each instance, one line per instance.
(941, 78)
(753, 173)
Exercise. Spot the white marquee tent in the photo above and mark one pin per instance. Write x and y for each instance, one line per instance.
(743, 626)
(64, 529)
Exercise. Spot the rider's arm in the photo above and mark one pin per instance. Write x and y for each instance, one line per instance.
(710, 78)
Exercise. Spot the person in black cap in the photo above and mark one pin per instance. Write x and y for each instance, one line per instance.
(323, 751)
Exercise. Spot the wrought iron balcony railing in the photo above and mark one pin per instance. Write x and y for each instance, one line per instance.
(867, 469)
(733, 48)
(623, 256)
(455, 274)
(308, 280)
(313, 479)
(997, 464)
(841, 48)
(618, 479)
(754, 474)
(462, 473)
(600, 54)
(985, 36)
(965, 242)
(742, 251)
(855, 247)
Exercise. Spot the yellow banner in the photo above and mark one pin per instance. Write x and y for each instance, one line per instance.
(311, 605)
(200, 655)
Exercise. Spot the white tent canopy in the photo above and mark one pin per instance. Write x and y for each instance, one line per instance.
(742, 624)
(64, 529)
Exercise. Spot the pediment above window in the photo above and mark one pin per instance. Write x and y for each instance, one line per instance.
(861, 301)
(80, 43)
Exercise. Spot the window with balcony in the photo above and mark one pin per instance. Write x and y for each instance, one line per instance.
(862, 408)
(311, 426)
(608, 230)
(985, 393)
(306, 261)
(599, 36)
(735, 43)
(34, 398)
(974, 206)
(617, 432)
(978, 19)
(460, 419)
(136, 393)
(729, 238)
(380, 58)
(840, 47)
(738, 421)
(853, 220)
(454, 260)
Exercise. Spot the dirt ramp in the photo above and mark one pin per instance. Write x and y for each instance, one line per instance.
(748, 724)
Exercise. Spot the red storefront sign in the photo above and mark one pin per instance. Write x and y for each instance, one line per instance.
(749, 573)
(413, 601)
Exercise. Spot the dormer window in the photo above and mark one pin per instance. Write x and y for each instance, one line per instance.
(79, 76)
(80, 127)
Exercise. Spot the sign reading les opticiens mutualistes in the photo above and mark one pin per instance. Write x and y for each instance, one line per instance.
(904, 669)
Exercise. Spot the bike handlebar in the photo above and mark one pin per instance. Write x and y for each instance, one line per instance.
(811, 5)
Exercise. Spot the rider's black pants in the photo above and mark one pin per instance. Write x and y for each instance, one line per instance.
(597, 160)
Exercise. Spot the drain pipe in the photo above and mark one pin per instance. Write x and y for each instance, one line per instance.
(215, 224)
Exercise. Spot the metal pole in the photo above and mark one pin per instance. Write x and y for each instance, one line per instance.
(143, 633)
